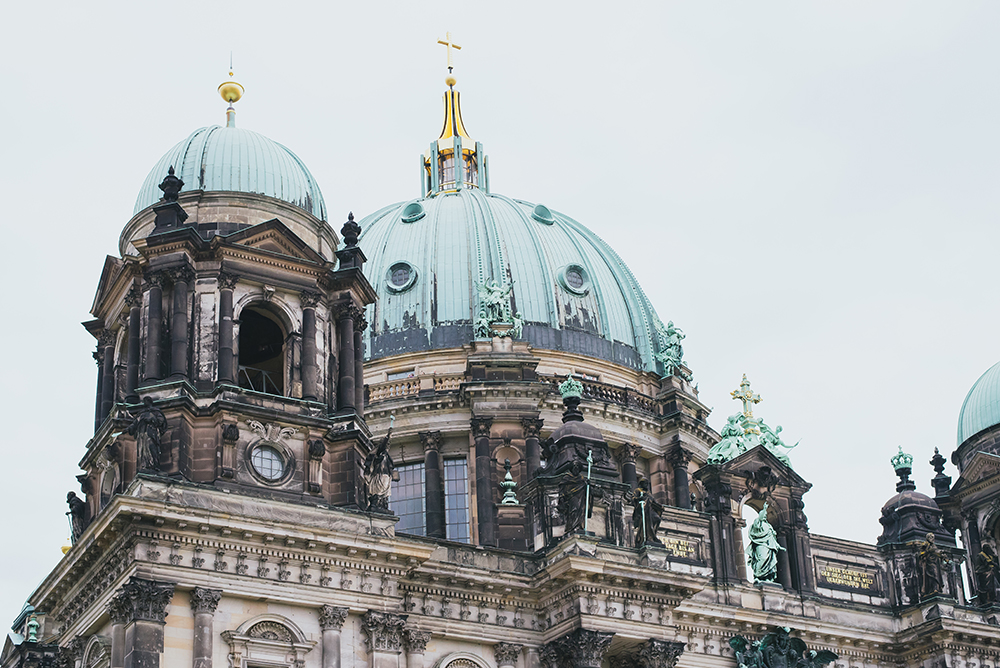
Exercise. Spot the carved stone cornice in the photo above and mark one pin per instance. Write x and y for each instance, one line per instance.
(532, 427)
(144, 600)
(205, 600)
(507, 653)
(658, 654)
(481, 427)
(415, 642)
(383, 631)
(627, 453)
(227, 280)
(310, 299)
(430, 440)
(331, 617)
(581, 648)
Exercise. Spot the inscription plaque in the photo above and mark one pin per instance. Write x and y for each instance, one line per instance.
(848, 578)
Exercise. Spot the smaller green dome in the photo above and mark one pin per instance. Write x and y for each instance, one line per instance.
(981, 408)
(231, 159)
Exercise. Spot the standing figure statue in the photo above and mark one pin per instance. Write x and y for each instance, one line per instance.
(646, 514)
(986, 575)
(731, 444)
(148, 428)
(929, 561)
(77, 516)
(378, 472)
(671, 352)
(576, 499)
(764, 548)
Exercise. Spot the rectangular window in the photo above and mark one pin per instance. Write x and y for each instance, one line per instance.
(456, 499)
(407, 500)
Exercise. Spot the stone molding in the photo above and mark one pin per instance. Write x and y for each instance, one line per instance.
(383, 631)
(331, 617)
(205, 600)
(507, 653)
(141, 600)
(414, 641)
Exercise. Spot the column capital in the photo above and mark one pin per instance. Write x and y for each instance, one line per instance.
(309, 298)
(343, 310)
(133, 297)
(205, 600)
(142, 600)
(430, 440)
(331, 617)
(679, 457)
(507, 653)
(227, 280)
(582, 648)
(182, 274)
(360, 321)
(481, 426)
(383, 631)
(532, 427)
(658, 654)
(414, 641)
(106, 338)
(156, 279)
(627, 453)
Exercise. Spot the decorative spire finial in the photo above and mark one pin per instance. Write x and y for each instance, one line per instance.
(507, 486)
(350, 231)
(171, 185)
(571, 387)
(746, 396)
(32, 628)
(902, 463)
(449, 45)
(901, 460)
(231, 91)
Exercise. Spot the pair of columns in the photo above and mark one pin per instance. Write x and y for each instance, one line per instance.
(584, 648)
(351, 325)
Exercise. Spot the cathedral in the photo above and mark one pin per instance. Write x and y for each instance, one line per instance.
(454, 433)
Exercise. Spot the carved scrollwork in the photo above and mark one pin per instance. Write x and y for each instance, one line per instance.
(532, 427)
(271, 631)
(205, 600)
(332, 617)
(227, 280)
(507, 653)
(481, 427)
(383, 631)
(140, 599)
(430, 440)
(415, 642)
(309, 299)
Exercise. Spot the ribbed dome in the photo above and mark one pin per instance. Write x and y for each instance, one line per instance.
(573, 291)
(982, 405)
(231, 159)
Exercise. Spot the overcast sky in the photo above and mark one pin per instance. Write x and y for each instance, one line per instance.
(808, 189)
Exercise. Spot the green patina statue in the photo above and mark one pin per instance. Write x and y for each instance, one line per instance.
(671, 352)
(778, 650)
(763, 549)
(744, 432)
(495, 315)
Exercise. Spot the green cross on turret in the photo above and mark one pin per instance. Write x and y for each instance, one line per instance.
(746, 396)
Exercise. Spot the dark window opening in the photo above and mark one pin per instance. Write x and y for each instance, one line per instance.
(400, 274)
(261, 350)
(574, 278)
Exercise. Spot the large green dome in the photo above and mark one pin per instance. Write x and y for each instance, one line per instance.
(426, 256)
(981, 408)
(231, 159)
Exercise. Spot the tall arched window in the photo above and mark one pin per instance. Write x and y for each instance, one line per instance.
(261, 352)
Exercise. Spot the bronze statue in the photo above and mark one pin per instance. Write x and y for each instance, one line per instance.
(929, 561)
(986, 575)
(646, 514)
(148, 428)
(379, 470)
(77, 516)
(576, 499)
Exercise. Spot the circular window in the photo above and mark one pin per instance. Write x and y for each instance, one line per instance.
(400, 276)
(575, 279)
(413, 212)
(542, 214)
(268, 463)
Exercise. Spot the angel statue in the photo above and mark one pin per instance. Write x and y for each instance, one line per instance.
(378, 474)
(778, 650)
(671, 352)
(494, 300)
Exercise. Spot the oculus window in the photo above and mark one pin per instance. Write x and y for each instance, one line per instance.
(574, 279)
(400, 276)
(268, 463)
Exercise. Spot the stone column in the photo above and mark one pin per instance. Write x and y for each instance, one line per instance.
(143, 603)
(532, 452)
(331, 621)
(415, 643)
(626, 459)
(679, 459)
(203, 605)
(134, 302)
(580, 649)
(433, 484)
(118, 611)
(310, 388)
(360, 325)
(346, 313)
(183, 277)
(384, 637)
(658, 654)
(154, 327)
(484, 487)
(506, 654)
(227, 361)
(106, 358)
(784, 569)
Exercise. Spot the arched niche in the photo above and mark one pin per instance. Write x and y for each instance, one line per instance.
(96, 653)
(461, 660)
(264, 344)
(272, 641)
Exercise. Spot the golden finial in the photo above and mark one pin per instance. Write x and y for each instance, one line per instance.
(231, 91)
(449, 45)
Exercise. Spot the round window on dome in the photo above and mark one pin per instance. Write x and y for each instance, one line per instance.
(413, 212)
(400, 276)
(268, 463)
(574, 279)
(542, 214)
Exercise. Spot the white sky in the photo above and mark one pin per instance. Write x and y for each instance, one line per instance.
(807, 189)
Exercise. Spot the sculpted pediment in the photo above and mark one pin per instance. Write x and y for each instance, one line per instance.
(752, 460)
(983, 466)
(109, 274)
(273, 236)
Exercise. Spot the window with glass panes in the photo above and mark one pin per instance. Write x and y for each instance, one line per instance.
(407, 499)
(456, 499)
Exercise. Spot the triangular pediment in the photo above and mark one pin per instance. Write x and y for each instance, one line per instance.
(274, 237)
(753, 459)
(983, 466)
(109, 274)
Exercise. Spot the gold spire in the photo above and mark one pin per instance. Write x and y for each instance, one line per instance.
(449, 45)
(453, 124)
(231, 92)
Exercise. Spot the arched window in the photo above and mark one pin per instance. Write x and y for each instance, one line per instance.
(261, 352)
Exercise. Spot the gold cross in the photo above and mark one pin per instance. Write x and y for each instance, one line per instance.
(746, 396)
(450, 45)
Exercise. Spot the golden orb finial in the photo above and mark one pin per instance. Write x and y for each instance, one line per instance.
(450, 80)
(66, 548)
(231, 91)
